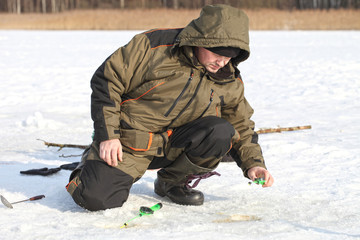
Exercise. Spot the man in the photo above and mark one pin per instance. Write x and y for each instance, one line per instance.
(170, 99)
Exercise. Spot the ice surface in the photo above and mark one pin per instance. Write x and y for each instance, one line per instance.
(291, 78)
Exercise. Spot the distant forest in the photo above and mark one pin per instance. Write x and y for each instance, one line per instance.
(55, 6)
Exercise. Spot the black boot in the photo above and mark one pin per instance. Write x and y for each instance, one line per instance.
(173, 182)
(180, 194)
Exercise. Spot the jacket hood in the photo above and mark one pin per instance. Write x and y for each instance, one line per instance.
(218, 26)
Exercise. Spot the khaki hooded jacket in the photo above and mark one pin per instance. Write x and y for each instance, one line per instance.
(154, 84)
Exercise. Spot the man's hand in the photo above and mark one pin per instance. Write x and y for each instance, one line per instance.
(111, 151)
(259, 172)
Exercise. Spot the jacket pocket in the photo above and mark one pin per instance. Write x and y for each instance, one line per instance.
(180, 95)
(142, 143)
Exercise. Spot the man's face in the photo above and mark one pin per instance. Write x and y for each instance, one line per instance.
(211, 61)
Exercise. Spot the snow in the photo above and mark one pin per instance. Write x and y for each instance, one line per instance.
(292, 78)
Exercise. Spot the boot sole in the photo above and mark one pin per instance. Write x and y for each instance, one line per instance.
(188, 204)
(160, 193)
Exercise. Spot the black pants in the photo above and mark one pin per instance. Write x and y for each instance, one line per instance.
(98, 186)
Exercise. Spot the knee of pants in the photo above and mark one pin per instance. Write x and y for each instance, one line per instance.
(101, 186)
(205, 137)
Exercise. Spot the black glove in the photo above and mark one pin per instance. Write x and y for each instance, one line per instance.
(41, 171)
(69, 166)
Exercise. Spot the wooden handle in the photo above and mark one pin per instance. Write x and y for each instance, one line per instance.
(36, 197)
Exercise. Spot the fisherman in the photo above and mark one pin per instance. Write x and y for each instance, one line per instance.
(170, 99)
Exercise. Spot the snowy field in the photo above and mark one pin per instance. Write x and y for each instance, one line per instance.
(292, 78)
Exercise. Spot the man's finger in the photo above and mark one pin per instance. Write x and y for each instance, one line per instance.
(107, 157)
(120, 154)
(252, 175)
(269, 180)
(114, 158)
(102, 154)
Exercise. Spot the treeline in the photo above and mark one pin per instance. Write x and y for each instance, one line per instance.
(54, 6)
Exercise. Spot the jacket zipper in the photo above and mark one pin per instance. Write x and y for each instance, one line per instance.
(180, 95)
(189, 102)
(211, 100)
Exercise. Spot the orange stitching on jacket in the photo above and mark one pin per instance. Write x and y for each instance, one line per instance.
(169, 132)
(148, 147)
(142, 94)
(163, 46)
(72, 181)
(229, 148)
(240, 80)
(159, 29)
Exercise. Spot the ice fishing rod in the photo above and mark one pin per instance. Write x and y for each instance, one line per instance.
(260, 181)
(144, 211)
(9, 205)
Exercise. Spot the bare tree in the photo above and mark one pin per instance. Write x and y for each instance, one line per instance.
(175, 4)
(43, 6)
(53, 6)
(20, 6)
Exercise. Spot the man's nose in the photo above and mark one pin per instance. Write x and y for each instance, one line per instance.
(222, 61)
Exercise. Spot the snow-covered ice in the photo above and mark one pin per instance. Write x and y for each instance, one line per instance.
(292, 78)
